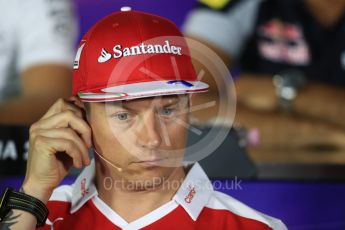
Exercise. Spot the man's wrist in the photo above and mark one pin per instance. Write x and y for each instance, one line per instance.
(34, 191)
(12, 200)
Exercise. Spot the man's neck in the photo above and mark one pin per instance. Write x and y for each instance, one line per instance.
(133, 204)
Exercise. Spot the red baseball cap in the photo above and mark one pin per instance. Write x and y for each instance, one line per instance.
(131, 54)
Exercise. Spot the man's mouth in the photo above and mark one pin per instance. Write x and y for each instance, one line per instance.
(152, 162)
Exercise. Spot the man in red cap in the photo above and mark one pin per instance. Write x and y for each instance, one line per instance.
(132, 80)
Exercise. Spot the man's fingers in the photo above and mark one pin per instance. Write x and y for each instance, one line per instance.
(55, 145)
(66, 119)
(61, 105)
(68, 134)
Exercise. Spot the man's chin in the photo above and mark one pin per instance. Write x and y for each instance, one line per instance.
(148, 178)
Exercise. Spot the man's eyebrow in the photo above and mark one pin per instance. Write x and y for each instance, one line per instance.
(119, 104)
(165, 102)
(171, 102)
(126, 107)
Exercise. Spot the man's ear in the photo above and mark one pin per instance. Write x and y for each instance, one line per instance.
(86, 109)
(82, 105)
(77, 102)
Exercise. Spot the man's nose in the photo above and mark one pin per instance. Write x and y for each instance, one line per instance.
(148, 134)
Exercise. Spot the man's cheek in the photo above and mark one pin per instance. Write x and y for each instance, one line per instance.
(124, 137)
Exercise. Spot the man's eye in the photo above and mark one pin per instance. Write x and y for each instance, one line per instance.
(122, 116)
(167, 111)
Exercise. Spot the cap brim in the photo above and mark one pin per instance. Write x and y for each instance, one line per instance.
(142, 90)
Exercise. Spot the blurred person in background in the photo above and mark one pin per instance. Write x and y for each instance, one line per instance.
(291, 55)
(37, 39)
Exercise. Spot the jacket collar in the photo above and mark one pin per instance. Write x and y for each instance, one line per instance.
(193, 194)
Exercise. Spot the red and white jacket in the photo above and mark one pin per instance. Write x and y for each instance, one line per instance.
(195, 206)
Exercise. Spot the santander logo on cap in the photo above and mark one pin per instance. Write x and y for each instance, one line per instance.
(105, 56)
(141, 49)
